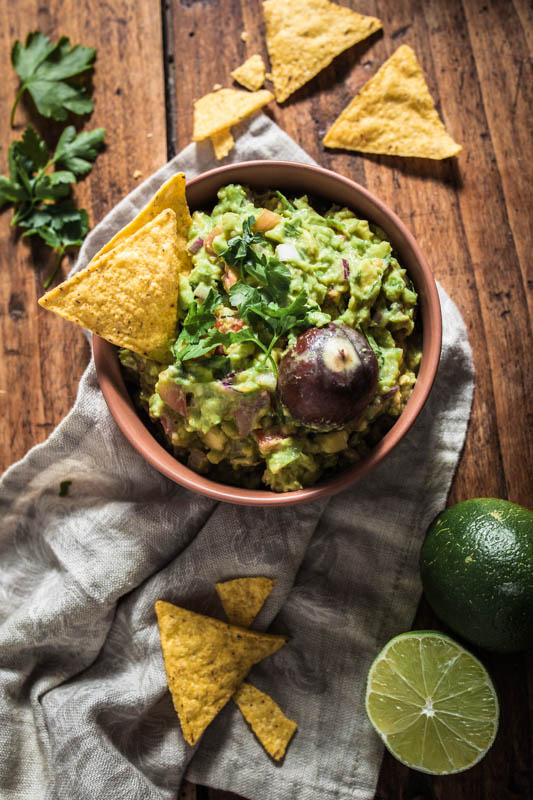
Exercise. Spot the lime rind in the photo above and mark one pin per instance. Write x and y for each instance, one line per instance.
(475, 566)
(419, 716)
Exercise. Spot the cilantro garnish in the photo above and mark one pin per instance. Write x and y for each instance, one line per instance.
(46, 70)
(64, 487)
(41, 198)
(263, 303)
(286, 204)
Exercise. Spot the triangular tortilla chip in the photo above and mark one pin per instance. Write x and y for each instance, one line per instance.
(217, 111)
(394, 114)
(222, 143)
(273, 729)
(170, 195)
(129, 295)
(243, 598)
(251, 74)
(205, 661)
(304, 36)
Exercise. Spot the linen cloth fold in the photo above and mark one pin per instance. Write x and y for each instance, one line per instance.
(85, 712)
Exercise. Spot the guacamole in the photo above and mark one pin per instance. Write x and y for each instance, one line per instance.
(265, 271)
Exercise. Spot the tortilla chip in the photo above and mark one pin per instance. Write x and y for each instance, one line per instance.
(206, 660)
(304, 36)
(251, 74)
(222, 143)
(170, 195)
(217, 111)
(243, 598)
(394, 114)
(129, 295)
(273, 729)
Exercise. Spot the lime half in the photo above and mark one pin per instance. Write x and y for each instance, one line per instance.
(432, 703)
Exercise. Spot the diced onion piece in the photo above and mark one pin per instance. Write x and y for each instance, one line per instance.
(266, 221)
(287, 252)
(195, 246)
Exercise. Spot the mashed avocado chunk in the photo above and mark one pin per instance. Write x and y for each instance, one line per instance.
(265, 269)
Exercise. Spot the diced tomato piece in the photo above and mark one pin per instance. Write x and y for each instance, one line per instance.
(266, 221)
(208, 243)
(229, 278)
(227, 324)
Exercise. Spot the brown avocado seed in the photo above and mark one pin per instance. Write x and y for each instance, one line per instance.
(328, 376)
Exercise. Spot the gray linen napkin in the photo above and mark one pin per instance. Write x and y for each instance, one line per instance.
(85, 712)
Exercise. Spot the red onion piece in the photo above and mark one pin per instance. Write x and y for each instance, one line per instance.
(392, 391)
(346, 269)
(246, 413)
(195, 246)
(174, 396)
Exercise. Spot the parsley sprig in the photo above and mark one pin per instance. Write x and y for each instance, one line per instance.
(41, 198)
(39, 185)
(46, 71)
(261, 299)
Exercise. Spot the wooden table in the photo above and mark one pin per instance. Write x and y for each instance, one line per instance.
(471, 215)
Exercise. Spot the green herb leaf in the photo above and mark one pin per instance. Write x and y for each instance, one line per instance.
(11, 192)
(59, 225)
(268, 272)
(77, 152)
(64, 487)
(265, 306)
(63, 224)
(289, 206)
(239, 248)
(198, 329)
(44, 70)
(41, 199)
(53, 186)
(33, 148)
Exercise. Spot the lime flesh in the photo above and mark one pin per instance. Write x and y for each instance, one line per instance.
(432, 703)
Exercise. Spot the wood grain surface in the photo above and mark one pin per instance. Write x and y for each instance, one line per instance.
(471, 215)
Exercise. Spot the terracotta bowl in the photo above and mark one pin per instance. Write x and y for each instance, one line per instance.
(300, 179)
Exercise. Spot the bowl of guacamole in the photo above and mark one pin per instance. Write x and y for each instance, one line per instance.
(307, 339)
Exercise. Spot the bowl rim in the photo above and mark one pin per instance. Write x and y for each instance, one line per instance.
(129, 422)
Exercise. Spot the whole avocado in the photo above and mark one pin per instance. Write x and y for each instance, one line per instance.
(476, 565)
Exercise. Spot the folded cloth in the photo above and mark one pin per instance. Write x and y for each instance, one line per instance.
(85, 710)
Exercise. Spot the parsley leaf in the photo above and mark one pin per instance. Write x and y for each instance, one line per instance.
(64, 487)
(77, 152)
(266, 307)
(198, 334)
(60, 226)
(45, 69)
(42, 199)
(33, 149)
(286, 204)
(239, 248)
(270, 272)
